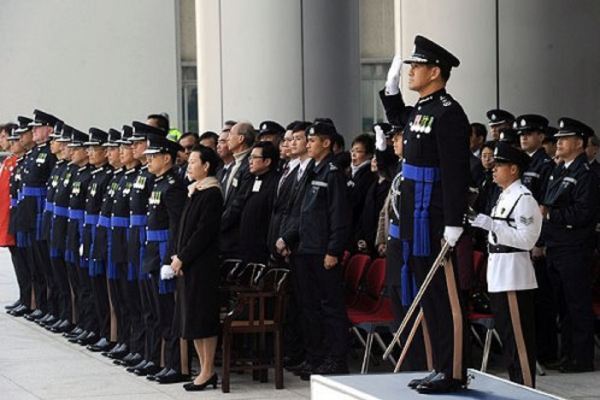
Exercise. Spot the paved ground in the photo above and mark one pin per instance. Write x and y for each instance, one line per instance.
(36, 364)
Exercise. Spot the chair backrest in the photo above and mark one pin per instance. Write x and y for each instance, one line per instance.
(355, 270)
(230, 268)
(250, 274)
(375, 278)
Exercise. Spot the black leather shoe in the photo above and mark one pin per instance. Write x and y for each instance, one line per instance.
(139, 366)
(82, 335)
(158, 374)
(64, 326)
(555, 364)
(149, 369)
(118, 352)
(416, 382)
(42, 320)
(332, 367)
(124, 361)
(34, 315)
(192, 387)
(440, 384)
(76, 331)
(101, 345)
(54, 325)
(13, 305)
(20, 311)
(303, 368)
(172, 377)
(90, 338)
(572, 366)
(51, 320)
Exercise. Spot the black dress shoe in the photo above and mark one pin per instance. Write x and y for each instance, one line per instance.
(82, 335)
(90, 338)
(332, 367)
(64, 326)
(555, 364)
(119, 352)
(148, 369)
(158, 374)
(101, 345)
(139, 366)
(172, 377)
(43, 319)
(13, 305)
(34, 315)
(51, 320)
(20, 311)
(55, 325)
(303, 368)
(192, 387)
(73, 332)
(573, 366)
(440, 384)
(416, 382)
(124, 361)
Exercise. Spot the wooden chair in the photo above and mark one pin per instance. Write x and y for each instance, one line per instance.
(257, 312)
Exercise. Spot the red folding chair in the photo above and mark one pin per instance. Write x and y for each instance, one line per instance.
(371, 310)
(353, 274)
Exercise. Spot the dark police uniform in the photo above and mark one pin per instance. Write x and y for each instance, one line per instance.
(572, 205)
(38, 166)
(434, 195)
(96, 269)
(323, 229)
(165, 205)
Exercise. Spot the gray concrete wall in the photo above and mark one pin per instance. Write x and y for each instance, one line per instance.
(92, 63)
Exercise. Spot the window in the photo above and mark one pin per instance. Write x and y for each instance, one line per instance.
(373, 75)
(189, 88)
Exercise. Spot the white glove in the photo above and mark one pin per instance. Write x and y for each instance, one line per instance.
(166, 272)
(380, 141)
(392, 83)
(482, 221)
(452, 234)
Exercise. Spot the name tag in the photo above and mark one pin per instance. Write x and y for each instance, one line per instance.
(256, 186)
(319, 184)
(234, 183)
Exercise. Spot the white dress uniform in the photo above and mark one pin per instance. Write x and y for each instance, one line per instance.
(517, 223)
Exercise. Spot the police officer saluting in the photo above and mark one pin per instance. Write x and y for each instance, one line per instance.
(514, 227)
(434, 199)
(570, 210)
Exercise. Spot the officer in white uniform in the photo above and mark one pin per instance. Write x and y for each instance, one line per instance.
(514, 227)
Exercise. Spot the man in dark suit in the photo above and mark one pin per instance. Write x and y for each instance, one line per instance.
(236, 188)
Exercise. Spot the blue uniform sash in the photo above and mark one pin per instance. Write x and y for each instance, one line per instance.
(162, 237)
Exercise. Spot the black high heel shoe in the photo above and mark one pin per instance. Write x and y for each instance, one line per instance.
(192, 387)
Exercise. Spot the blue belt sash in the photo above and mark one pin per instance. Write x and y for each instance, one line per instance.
(138, 220)
(162, 237)
(13, 202)
(95, 267)
(61, 211)
(39, 193)
(423, 178)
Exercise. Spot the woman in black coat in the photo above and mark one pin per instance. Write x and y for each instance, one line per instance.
(196, 262)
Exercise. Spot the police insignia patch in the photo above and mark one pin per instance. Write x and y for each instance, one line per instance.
(526, 220)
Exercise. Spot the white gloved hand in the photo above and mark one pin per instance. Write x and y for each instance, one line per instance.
(392, 83)
(482, 221)
(380, 140)
(452, 234)
(166, 272)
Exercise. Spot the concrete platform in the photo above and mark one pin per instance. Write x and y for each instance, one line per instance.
(394, 386)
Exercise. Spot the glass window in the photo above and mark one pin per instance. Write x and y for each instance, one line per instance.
(373, 75)
(190, 98)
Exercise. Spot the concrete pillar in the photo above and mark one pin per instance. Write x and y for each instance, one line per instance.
(278, 59)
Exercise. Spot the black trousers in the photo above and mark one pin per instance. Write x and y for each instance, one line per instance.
(294, 343)
(19, 260)
(61, 282)
(570, 274)
(85, 300)
(99, 285)
(546, 340)
(116, 300)
(150, 320)
(43, 283)
(514, 315)
(169, 327)
(72, 270)
(324, 313)
(415, 357)
(130, 328)
(444, 312)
